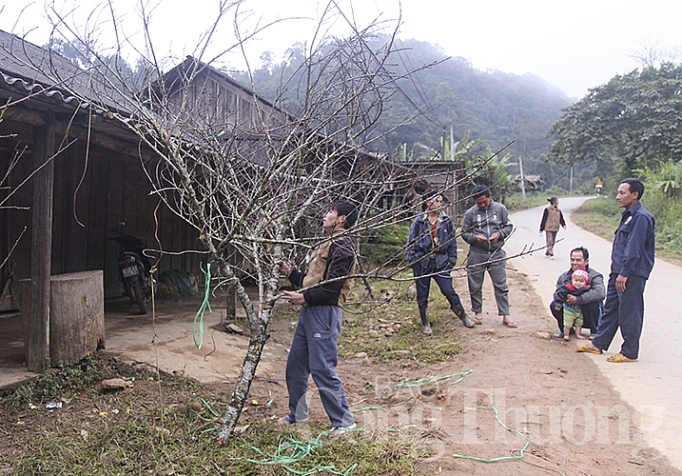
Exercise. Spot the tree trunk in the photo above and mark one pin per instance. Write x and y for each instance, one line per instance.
(76, 315)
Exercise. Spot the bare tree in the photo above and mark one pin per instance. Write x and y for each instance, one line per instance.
(250, 177)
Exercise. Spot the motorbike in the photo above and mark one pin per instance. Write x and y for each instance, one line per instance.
(134, 271)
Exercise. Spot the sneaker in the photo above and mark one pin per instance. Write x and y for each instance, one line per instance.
(338, 431)
(558, 335)
(426, 329)
(288, 420)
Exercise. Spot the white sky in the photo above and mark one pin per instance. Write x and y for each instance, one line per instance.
(573, 44)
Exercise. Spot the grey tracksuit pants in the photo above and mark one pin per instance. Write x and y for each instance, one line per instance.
(478, 261)
(314, 351)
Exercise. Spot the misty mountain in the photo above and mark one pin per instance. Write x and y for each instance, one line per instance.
(444, 94)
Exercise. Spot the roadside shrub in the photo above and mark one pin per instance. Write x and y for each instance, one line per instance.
(386, 246)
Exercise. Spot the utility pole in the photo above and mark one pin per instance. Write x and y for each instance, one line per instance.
(570, 180)
(523, 180)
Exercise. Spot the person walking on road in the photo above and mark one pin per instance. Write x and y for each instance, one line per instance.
(432, 253)
(485, 227)
(632, 259)
(552, 219)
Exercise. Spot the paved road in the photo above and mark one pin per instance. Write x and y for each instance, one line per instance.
(652, 386)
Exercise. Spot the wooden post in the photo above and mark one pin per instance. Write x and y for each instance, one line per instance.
(38, 342)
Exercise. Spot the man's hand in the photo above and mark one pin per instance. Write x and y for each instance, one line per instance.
(481, 238)
(494, 237)
(284, 268)
(571, 300)
(621, 283)
(293, 297)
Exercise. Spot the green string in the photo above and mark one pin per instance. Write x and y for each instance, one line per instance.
(290, 451)
(202, 309)
(431, 380)
(501, 458)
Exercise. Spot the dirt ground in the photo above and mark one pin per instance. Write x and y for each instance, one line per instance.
(551, 397)
(562, 417)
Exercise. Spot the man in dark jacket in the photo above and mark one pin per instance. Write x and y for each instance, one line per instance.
(590, 302)
(432, 253)
(632, 259)
(314, 349)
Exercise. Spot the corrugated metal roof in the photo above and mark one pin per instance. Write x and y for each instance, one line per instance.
(40, 71)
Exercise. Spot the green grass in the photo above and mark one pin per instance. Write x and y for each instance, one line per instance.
(167, 425)
(601, 216)
(388, 327)
(534, 199)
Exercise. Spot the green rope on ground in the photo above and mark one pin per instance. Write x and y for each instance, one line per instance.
(431, 380)
(202, 309)
(501, 458)
(209, 408)
(366, 409)
(290, 451)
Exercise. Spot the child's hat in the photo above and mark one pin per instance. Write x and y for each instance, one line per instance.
(582, 273)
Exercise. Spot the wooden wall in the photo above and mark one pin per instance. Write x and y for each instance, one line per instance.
(112, 199)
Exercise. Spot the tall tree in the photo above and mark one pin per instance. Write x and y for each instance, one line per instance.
(632, 121)
(257, 183)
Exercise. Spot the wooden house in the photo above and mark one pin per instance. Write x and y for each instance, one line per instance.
(71, 178)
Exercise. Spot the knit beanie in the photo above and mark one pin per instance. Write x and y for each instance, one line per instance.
(582, 273)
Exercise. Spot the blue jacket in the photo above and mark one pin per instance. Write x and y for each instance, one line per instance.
(443, 249)
(634, 247)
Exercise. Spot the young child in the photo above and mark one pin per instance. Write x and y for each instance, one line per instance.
(573, 316)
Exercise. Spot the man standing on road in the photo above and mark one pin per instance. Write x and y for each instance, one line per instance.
(590, 302)
(632, 258)
(485, 227)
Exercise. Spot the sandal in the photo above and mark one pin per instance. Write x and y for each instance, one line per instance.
(477, 319)
(620, 358)
(509, 323)
(588, 349)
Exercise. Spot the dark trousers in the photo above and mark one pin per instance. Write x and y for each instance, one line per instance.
(624, 310)
(592, 315)
(423, 271)
(314, 352)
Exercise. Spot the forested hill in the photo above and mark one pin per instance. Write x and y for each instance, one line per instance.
(496, 107)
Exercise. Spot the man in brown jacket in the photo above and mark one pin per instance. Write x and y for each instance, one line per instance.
(314, 350)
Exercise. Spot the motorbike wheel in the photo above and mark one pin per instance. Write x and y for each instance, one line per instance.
(139, 297)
